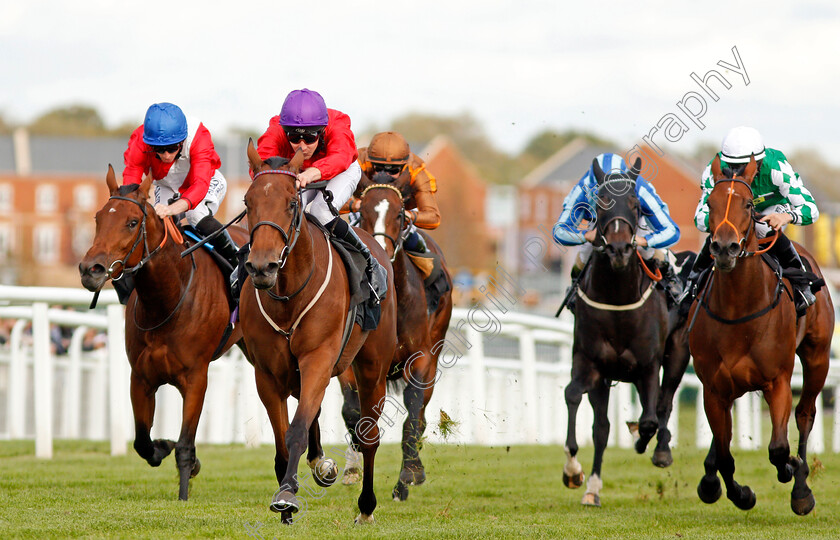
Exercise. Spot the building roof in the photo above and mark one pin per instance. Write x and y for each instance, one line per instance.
(566, 165)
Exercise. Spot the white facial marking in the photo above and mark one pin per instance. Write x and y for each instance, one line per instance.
(379, 226)
(112, 210)
(616, 226)
(265, 188)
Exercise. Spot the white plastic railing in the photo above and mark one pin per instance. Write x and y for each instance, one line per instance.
(502, 379)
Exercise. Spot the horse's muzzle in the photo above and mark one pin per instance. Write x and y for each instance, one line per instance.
(93, 275)
(263, 276)
(620, 254)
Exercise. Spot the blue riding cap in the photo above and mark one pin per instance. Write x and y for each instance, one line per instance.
(165, 124)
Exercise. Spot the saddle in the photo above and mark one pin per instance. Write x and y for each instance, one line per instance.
(434, 278)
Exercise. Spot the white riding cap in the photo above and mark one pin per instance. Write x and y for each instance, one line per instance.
(740, 143)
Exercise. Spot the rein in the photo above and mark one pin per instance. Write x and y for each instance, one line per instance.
(397, 244)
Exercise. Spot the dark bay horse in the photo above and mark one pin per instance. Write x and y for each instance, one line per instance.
(294, 311)
(623, 332)
(420, 334)
(174, 319)
(744, 339)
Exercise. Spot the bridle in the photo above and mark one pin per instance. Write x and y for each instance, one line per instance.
(750, 228)
(169, 230)
(397, 243)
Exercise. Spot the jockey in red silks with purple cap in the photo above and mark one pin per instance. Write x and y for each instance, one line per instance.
(329, 150)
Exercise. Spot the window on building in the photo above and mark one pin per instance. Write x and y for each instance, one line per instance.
(45, 243)
(6, 197)
(46, 198)
(6, 242)
(84, 197)
(83, 238)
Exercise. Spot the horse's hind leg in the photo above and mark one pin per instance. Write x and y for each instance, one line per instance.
(351, 412)
(720, 420)
(599, 397)
(416, 396)
(188, 464)
(648, 388)
(675, 363)
(324, 469)
(143, 405)
(814, 371)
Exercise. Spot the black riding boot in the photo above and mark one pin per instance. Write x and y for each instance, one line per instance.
(786, 254)
(415, 243)
(693, 285)
(376, 273)
(223, 243)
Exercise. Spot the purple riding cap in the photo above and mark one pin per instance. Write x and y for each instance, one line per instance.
(304, 108)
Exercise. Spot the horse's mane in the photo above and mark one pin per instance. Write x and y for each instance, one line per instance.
(128, 188)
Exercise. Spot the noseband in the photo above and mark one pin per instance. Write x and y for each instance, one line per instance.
(395, 242)
(750, 228)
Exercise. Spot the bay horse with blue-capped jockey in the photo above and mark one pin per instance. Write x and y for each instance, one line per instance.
(744, 338)
(175, 319)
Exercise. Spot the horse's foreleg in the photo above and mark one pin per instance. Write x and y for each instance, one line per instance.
(572, 471)
(276, 407)
(371, 394)
(188, 465)
(314, 378)
(720, 420)
(324, 469)
(648, 388)
(351, 412)
(143, 405)
(675, 363)
(709, 488)
(599, 398)
(779, 398)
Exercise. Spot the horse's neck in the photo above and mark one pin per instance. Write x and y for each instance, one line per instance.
(614, 287)
(161, 280)
(300, 260)
(751, 281)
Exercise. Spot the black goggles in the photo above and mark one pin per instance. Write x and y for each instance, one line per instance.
(308, 136)
(169, 149)
(388, 168)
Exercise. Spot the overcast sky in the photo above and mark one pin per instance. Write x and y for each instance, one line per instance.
(616, 68)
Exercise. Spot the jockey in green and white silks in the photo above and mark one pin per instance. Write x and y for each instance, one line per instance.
(780, 197)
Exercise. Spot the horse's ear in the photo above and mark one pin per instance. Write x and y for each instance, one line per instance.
(111, 181)
(297, 162)
(751, 169)
(717, 174)
(596, 169)
(254, 159)
(145, 185)
(637, 168)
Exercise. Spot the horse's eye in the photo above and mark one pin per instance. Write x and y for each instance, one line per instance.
(133, 223)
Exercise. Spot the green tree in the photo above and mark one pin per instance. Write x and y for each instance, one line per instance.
(74, 120)
(545, 144)
(5, 126)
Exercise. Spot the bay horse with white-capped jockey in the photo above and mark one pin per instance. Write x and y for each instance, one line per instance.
(744, 338)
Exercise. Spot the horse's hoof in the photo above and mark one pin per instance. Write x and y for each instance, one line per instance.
(591, 499)
(364, 519)
(641, 446)
(196, 468)
(802, 507)
(743, 498)
(574, 481)
(662, 458)
(709, 490)
(325, 473)
(284, 501)
(162, 448)
(286, 517)
(351, 476)
(413, 477)
(400, 492)
(785, 473)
